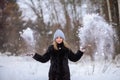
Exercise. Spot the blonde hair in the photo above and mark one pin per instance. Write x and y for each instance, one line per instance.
(64, 42)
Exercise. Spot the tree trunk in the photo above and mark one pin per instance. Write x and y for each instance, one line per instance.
(105, 10)
(109, 11)
(114, 12)
(2, 25)
(114, 9)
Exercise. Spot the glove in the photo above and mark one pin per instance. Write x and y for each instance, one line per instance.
(82, 49)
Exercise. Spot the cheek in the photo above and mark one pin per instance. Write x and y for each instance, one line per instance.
(60, 40)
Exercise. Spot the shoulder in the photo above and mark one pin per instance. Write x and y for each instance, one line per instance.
(50, 47)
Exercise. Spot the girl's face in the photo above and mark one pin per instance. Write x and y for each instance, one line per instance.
(59, 40)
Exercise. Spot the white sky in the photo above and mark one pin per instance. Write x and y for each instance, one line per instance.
(27, 12)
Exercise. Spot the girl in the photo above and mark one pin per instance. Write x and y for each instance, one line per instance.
(58, 54)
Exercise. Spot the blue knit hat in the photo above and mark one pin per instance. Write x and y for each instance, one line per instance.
(58, 33)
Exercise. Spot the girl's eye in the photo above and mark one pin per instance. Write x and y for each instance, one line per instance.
(60, 37)
(57, 37)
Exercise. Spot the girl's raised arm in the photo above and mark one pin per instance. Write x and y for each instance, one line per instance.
(43, 58)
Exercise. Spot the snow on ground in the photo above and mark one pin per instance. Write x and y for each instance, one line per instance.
(25, 68)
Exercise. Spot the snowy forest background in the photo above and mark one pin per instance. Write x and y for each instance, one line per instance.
(27, 26)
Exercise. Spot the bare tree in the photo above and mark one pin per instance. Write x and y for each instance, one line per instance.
(2, 19)
(41, 29)
(11, 23)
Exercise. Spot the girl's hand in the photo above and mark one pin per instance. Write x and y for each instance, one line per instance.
(82, 49)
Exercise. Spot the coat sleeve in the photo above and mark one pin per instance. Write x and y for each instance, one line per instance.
(74, 57)
(43, 58)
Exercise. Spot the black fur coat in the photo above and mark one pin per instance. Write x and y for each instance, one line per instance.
(59, 69)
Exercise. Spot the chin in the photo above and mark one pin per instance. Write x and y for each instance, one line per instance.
(59, 42)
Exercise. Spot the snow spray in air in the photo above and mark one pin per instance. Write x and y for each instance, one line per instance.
(97, 36)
